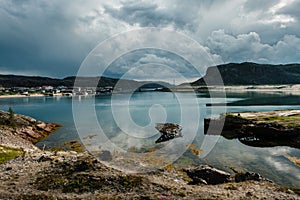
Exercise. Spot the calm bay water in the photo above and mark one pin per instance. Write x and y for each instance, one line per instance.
(147, 108)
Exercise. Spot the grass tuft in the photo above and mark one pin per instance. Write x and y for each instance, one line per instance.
(8, 153)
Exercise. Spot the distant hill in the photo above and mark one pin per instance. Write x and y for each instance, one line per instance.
(9, 81)
(232, 74)
(27, 81)
(253, 74)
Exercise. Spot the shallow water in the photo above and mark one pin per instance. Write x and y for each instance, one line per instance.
(128, 123)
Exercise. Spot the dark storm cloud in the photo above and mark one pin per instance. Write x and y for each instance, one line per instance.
(37, 36)
(53, 37)
(150, 14)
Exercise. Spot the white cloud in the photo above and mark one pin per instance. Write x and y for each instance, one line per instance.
(276, 18)
(280, 5)
(249, 47)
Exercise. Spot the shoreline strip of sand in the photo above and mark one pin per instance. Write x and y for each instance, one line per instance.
(21, 96)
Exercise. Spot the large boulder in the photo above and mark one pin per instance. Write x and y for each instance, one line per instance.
(207, 175)
(168, 131)
(248, 176)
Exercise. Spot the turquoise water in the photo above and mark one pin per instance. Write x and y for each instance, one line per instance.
(136, 129)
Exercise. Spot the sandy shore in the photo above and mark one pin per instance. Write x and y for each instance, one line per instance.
(282, 89)
(295, 88)
(21, 96)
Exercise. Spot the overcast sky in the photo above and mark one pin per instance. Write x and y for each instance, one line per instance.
(52, 37)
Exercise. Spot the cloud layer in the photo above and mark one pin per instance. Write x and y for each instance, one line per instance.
(249, 47)
(53, 37)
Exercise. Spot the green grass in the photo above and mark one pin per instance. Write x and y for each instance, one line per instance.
(8, 153)
(292, 121)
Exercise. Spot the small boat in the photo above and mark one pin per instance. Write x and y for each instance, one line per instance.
(168, 131)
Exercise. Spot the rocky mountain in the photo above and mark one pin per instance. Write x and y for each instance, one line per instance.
(252, 74)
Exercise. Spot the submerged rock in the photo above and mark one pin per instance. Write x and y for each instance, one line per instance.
(169, 131)
(105, 156)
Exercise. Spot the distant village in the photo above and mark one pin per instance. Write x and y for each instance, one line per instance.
(48, 90)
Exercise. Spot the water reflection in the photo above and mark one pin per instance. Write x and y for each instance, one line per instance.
(269, 161)
(270, 142)
(259, 100)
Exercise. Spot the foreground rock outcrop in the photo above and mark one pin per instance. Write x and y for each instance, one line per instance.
(207, 175)
(24, 127)
(71, 175)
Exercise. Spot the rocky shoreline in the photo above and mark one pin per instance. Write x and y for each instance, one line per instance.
(38, 174)
(21, 131)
